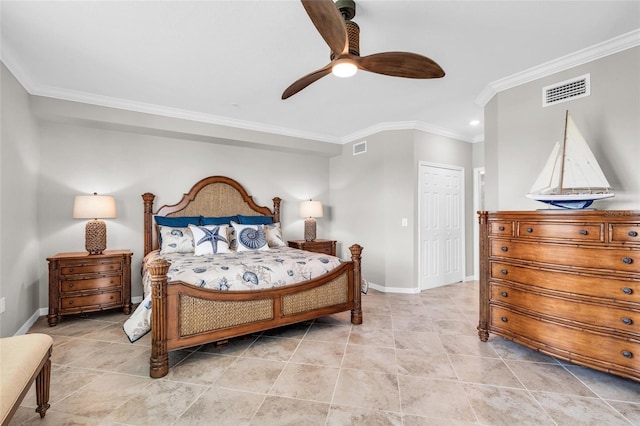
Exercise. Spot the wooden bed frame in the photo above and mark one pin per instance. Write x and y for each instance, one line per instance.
(184, 315)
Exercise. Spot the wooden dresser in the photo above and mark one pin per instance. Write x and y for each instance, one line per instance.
(80, 282)
(566, 283)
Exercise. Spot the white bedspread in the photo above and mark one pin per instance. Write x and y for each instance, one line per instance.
(249, 270)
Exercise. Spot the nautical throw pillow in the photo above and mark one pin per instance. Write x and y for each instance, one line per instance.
(273, 232)
(175, 240)
(210, 239)
(250, 237)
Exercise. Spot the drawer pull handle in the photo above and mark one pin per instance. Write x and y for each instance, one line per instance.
(627, 354)
(627, 260)
(505, 248)
(501, 228)
(633, 234)
(504, 319)
(626, 321)
(627, 290)
(583, 232)
(111, 282)
(70, 269)
(71, 302)
(504, 272)
(503, 294)
(529, 230)
(70, 285)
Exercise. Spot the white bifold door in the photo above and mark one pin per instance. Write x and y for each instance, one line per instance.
(441, 211)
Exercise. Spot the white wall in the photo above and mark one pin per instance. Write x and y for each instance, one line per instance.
(377, 189)
(520, 133)
(19, 255)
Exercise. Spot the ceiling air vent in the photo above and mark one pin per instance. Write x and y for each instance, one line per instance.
(567, 90)
(360, 148)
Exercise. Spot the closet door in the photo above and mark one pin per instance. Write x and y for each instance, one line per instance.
(441, 201)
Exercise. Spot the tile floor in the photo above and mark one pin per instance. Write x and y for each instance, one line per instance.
(416, 360)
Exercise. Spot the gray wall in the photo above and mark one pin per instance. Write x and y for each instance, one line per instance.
(81, 160)
(53, 150)
(19, 246)
(520, 133)
(377, 189)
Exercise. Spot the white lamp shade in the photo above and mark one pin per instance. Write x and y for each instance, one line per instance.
(311, 209)
(94, 207)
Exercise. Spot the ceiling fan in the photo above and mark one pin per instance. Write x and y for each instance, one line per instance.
(333, 22)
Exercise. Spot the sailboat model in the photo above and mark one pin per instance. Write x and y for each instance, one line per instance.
(571, 178)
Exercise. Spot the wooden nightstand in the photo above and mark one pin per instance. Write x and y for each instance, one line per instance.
(317, 246)
(80, 282)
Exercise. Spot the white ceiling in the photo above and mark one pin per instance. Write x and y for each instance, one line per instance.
(229, 61)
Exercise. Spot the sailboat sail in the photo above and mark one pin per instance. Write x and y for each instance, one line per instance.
(572, 177)
(581, 170)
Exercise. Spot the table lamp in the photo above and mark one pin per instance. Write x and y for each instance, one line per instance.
(95, 207)
(310, 210)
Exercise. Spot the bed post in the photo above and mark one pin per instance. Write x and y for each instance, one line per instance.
(276, 209)
(147, 198)
(356, 312)
(159, 361)
(483, 323)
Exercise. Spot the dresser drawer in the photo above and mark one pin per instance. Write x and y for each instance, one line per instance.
(102, 300)
(572, 342)
(504, 228)
(617, 259)
(91, 284)
(603, 286)
(627, 233)
(590, 314)
(86, 268)
(592, 232)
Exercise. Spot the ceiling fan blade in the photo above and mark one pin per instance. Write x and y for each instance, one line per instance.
(303, 82)
(325, 16)
(401, 64)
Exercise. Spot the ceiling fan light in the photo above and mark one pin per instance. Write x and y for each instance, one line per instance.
(344, 68)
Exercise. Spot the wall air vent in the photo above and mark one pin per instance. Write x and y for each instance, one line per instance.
(360, 148)
(567, 90)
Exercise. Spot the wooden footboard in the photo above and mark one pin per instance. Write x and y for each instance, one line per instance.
(185, 316)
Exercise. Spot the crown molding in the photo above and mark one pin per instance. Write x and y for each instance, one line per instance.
(128, 105)
(406, 125)
(597, 51)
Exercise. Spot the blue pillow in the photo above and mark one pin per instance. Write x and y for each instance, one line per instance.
(256, 220)
(222, 220)
(178, 221)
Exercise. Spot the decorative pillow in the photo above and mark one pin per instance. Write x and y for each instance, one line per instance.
(221, 220)
(210, 239)
(250, 237)
(273, 233)
(175, 240)
(178, 221)
(255, 220)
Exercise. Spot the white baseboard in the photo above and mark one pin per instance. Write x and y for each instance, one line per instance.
(44, 311)
(385, 289)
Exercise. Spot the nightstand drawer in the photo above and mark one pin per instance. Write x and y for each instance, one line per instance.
(316, 246)
(91, 284)
(102, 300)
(90, 269)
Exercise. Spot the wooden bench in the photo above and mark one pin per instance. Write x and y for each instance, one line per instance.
(23, 359)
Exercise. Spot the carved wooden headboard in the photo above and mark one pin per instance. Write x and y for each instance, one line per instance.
(211, 197)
